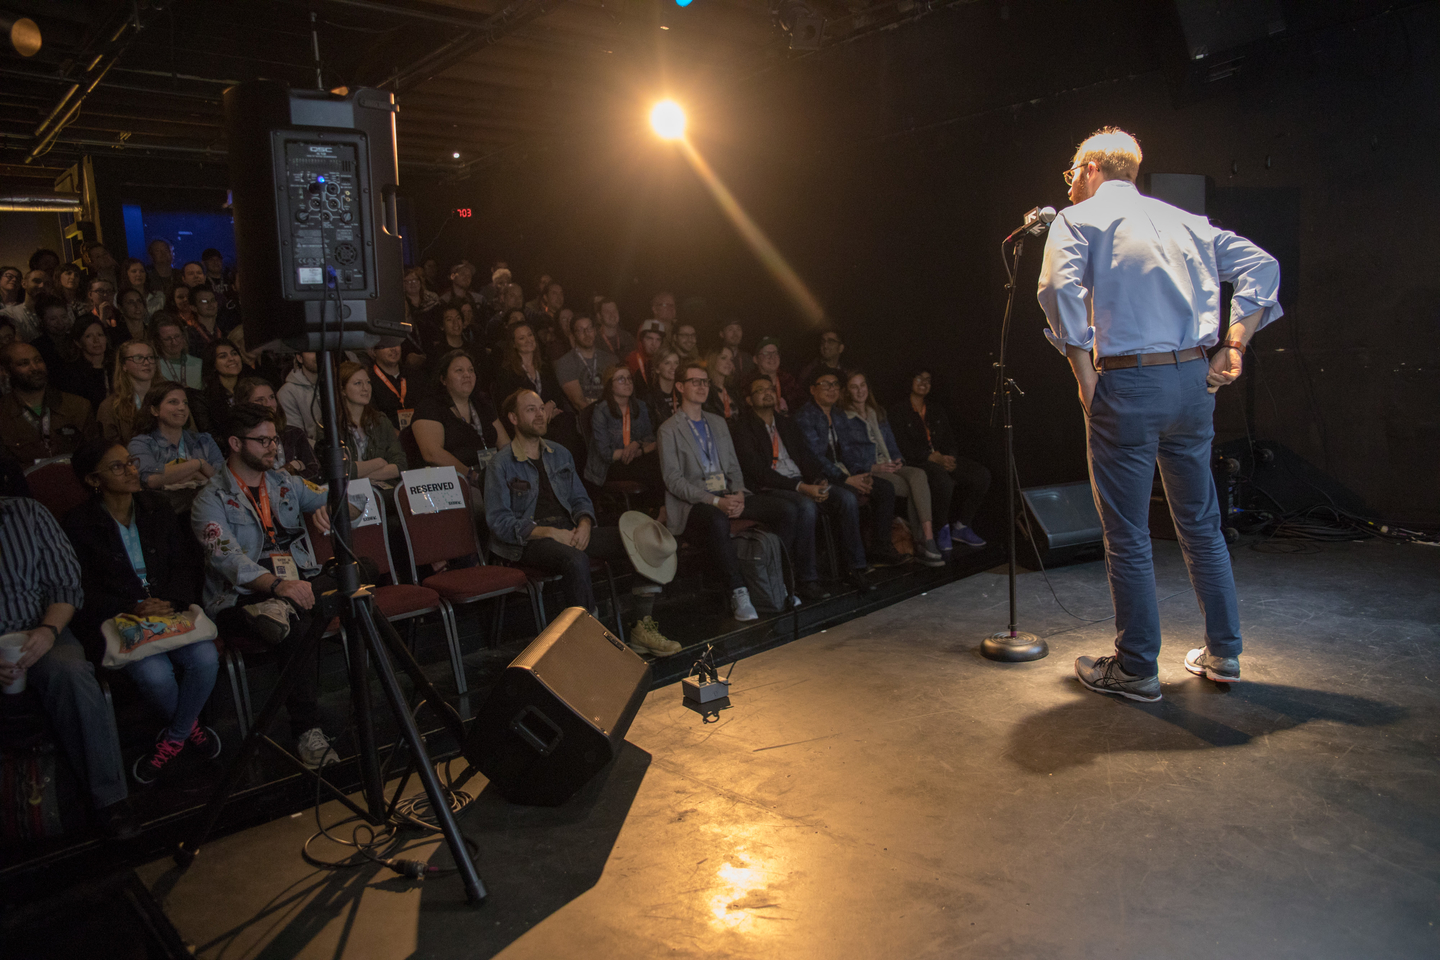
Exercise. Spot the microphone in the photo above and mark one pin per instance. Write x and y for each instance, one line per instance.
(1037, 221)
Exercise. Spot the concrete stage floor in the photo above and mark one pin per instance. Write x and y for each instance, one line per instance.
(881, 791)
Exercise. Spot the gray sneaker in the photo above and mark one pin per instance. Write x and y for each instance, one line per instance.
(740, 606)
(1220, 669)
(1105, 675)
(313, 749)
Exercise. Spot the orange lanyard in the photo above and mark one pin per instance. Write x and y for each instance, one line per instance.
(207, 337)
(262, 507)
(774, 445)
(928, 441)
(404, 386)
(625, 426)
(725, 399)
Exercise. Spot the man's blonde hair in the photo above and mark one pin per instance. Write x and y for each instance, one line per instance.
(1113, 151)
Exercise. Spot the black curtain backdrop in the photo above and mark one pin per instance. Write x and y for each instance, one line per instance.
(887, 169)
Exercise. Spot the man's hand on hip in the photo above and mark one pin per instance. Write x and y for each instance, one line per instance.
(1225, 368)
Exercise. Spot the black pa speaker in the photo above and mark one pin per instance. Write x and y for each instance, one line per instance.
(313, 177)
(1058, 525)
(560, 711)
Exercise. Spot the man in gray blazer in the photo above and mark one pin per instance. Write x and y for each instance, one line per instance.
(705, 490)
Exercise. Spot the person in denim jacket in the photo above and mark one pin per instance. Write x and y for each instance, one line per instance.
(170, 452)
(846, 454)
(539, 514)
(261, 578)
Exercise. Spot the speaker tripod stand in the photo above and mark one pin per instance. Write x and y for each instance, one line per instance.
(371, 640)
(1012, 645)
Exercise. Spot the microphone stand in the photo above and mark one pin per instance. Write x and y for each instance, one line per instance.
(1011, 645)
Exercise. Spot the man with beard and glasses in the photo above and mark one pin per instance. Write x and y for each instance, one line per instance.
(261, 578)
(540, 515)
(37, 421)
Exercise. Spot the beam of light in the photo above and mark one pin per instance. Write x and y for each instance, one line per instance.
(668, 120)
(750, 231)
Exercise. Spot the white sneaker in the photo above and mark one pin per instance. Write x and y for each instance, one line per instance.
(313, 749)
(740, 606)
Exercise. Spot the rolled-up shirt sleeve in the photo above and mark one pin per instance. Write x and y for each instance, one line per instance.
(1254, 274)
(1062, 292)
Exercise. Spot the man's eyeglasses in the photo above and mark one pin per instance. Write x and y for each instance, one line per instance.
(120, 467)
(828, 384)
(696, 381)
(265, 441)
(923, 378)
(1073, 173)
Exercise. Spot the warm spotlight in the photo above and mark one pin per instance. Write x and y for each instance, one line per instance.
(668, 120)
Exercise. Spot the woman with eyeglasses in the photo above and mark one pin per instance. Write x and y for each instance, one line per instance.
(957, 485)
(132, 560)
(134, 372)
(171, 453)
(294, 454)
(622, 439)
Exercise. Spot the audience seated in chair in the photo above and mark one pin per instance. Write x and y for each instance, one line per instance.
(40, 590)
(609, 336)
(261, 580)
(777, 462)
(789, 396)
(88, 375)
(37, 420)
(957, 485)
(171, 455)
(732, 335)
(394, 394)
(176, 361)
(832, 345)
(622, 441)
(705, 488)
(830, 435)
(295, 454)
(539, 514)
(370, 444)
(456, 425)
(887, 464)
(135, 365)
(132, 561)
(580, 371)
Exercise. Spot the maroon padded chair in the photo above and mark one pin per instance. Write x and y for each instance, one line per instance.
(393, 601)
(436, 537)
(54, 484)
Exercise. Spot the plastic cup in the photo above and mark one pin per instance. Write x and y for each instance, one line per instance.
(10, 646)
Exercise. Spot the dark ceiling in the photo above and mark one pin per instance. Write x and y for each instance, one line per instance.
(471, 76)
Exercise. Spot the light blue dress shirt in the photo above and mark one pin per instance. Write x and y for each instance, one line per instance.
(1126, 273)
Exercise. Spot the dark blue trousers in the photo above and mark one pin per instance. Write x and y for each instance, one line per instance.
(1140, 416)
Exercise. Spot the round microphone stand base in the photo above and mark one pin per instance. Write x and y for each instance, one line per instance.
(1017, 647)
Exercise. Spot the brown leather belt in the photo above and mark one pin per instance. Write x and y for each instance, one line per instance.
(1151, 359)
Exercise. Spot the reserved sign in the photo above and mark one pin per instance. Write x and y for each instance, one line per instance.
(433, 489)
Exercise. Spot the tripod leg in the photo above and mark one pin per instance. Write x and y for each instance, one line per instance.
(358, 662)
(185, 853)
(408, 663)
(474, 889)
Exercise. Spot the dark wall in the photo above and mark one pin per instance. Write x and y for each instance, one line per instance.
(886, 170)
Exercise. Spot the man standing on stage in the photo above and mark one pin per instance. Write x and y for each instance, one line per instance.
(1135, 283)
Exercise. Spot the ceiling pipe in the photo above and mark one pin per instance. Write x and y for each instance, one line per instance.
(69, 105)
(39, 201)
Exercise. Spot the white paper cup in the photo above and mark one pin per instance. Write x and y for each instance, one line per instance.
(10, 645)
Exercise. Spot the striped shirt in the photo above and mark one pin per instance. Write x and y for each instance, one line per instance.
(37, 564)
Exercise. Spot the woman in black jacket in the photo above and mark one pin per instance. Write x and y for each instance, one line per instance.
(132, 560)
(957, 485)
